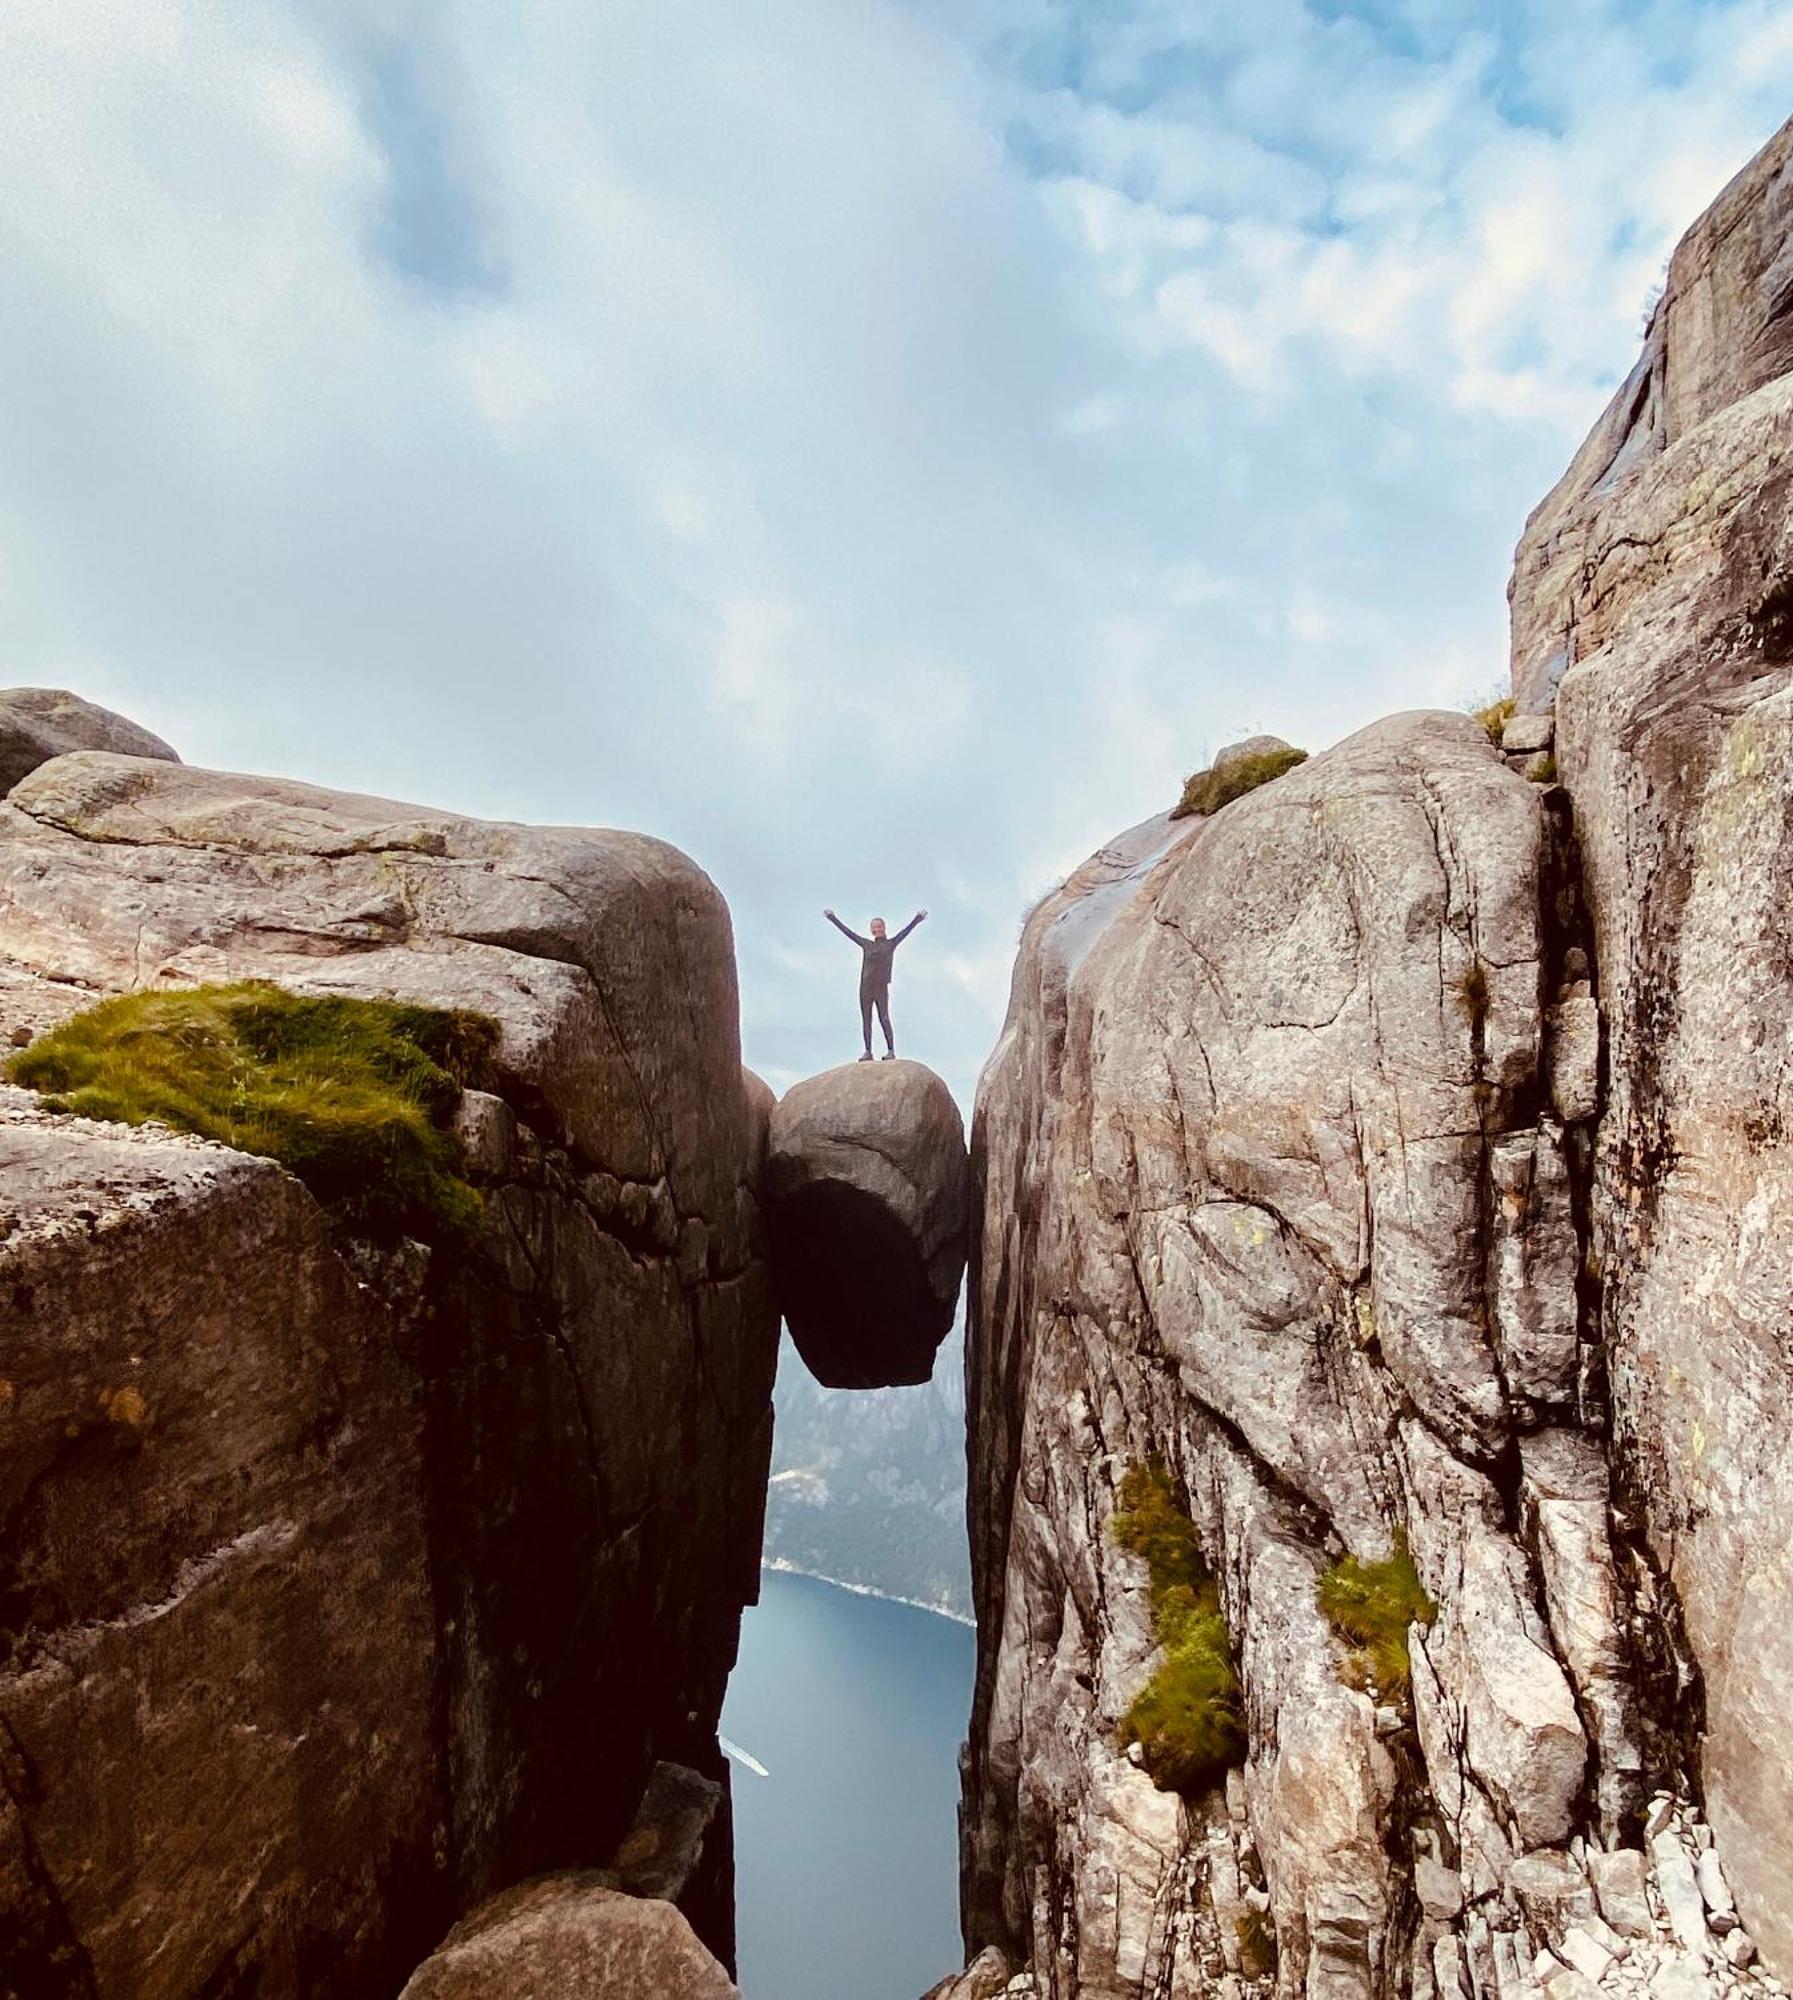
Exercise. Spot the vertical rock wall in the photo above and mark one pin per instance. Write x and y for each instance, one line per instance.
(1399, 1153)
(343, 1583)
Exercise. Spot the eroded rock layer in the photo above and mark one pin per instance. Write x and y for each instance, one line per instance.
(343, 1583)
(1399, 1158)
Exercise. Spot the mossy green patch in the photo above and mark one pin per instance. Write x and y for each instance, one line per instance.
(1542, 770)
(1186, 1718)
(1371, 1606)
(1207, 791)
(356, 1097)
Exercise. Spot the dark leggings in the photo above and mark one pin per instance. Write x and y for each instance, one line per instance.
(879, 997)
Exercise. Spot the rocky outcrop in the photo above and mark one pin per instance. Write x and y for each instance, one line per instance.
(865, 1189)
(344, 1581)
(37, 724)
(569, 1938)
(1661, 585)
(1398, 1156)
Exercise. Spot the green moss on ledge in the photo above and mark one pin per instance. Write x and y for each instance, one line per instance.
(1186, 1718)
(1206, 792)
(1371, 1606)
(356, 1097)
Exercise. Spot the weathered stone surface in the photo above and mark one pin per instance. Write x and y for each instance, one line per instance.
(1525, 735)
(1301, 1163)
(866, 1204)
(1257, 1173)
(1618, 1880)
(1656, 582)
(1247, 747)
(37, 724)
(566, 1937)
(983, 1979)
(412, 1561)
(678, 1849)
(214, 1593)
(1573, 1057)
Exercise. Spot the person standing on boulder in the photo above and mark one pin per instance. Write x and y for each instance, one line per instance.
(874, 976)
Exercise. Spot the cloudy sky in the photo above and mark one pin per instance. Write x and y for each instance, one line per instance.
(879, 445)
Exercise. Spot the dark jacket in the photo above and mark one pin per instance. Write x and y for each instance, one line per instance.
(874, 970)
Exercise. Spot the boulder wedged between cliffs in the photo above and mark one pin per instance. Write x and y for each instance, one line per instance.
(866, 1191)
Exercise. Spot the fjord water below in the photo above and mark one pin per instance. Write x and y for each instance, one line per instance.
(846, 1852)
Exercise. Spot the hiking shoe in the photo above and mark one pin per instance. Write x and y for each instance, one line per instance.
(867, 1056)
(891, 1057)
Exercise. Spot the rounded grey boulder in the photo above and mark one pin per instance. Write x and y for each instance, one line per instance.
(37, 724)
(866, 1189)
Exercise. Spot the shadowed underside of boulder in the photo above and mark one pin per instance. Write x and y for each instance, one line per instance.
(866, 1193)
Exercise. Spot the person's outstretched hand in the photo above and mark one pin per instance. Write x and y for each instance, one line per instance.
(919, 915)
(828, 913)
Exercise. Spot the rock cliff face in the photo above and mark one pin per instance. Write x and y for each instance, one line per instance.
(344, 1583)
(1399, 1155)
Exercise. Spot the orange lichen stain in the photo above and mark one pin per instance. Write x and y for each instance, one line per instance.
(125, 1406)
(8, 1396)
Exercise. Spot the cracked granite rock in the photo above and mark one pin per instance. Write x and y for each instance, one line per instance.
(341, 1583)
(1656, 581)
(1404, 1151)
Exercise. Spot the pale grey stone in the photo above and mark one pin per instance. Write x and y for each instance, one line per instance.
(1713, 1886)
(1572, 1057)
(1681, 1979)
(1618, 1880)
(1524, 734)
(486, 1129)
(1739, 1949)
(1552, 1893)
(1679, 1890)
(1580, 1948)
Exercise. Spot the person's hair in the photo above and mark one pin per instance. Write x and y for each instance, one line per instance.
(880, 920)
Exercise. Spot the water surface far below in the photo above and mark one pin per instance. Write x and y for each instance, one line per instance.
(846, 1854)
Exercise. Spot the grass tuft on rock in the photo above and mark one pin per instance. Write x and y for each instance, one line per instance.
(1206, 792)
(355, 1096)
(1494, 717)
(1371, 1606)
(1186, 1719)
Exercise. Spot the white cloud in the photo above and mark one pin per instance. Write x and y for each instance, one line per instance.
(882, 447)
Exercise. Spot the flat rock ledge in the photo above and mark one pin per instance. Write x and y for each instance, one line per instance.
(866, 1190)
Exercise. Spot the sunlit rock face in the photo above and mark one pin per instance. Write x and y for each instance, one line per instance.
(865, 1190)
(343, 1582)
(1402, 1152)
(1657, 579)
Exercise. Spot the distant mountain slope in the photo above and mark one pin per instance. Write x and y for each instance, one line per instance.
(868, 1486)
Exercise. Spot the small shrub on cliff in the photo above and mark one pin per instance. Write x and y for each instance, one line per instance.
(354, 1096)
(1371, 1606)
(1186, 1718)
(1207, 791)
(1494, 717)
